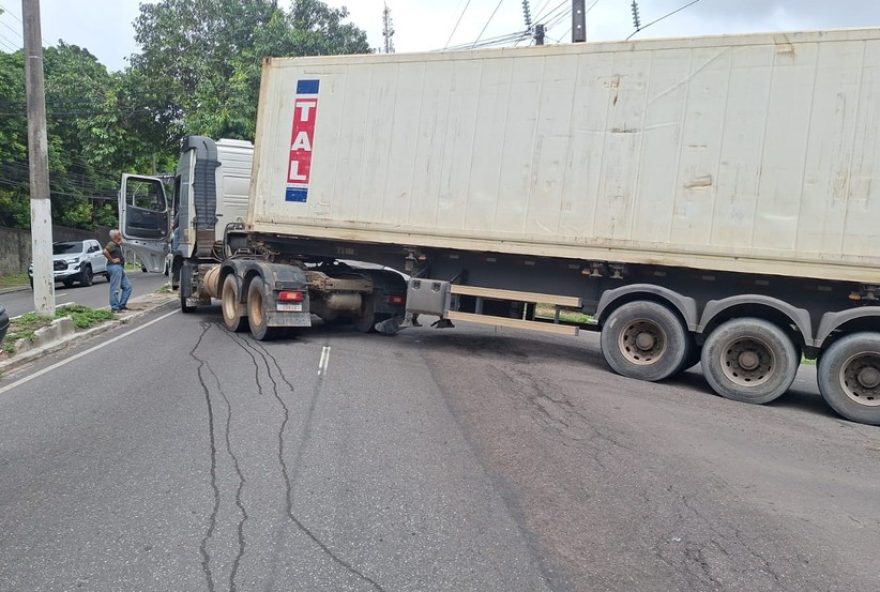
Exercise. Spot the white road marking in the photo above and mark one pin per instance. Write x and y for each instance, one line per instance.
(324, 363)
(65, 361)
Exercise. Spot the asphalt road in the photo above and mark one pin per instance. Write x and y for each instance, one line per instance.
(182, 457)
(95, 296)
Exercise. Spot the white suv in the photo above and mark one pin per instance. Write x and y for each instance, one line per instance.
(76, 261)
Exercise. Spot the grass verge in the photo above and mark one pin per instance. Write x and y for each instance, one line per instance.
(26, 326)
(13, 280)
(566, 315)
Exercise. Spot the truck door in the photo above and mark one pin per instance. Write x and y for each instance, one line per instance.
(144, 219)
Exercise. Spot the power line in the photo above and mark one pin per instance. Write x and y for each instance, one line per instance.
(499, 40)
(540, 10)
(558, 19)
(7, 11)
(546, 15)
(455, 28)
(491, 16)
(11, 29)
(9, 43)
(665, 16)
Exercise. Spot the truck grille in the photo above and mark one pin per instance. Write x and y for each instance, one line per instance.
(59, 265)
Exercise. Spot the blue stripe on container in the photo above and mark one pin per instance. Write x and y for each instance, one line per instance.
(298, 194)
(307, 87)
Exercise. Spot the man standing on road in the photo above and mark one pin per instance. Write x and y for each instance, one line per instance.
(116, 271)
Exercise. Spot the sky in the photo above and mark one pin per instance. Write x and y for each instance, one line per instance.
(104, 27)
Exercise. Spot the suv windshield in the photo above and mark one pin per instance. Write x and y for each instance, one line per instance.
(62, 248)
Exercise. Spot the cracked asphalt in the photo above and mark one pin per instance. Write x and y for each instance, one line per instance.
(183, 457)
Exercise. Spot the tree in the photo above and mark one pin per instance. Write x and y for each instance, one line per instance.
(93, 135)
(14, 205)
(205, 56)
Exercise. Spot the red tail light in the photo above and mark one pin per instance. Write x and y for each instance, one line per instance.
(288, 296)
(396, 300)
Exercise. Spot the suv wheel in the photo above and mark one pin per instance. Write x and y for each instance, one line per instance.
(86, 277)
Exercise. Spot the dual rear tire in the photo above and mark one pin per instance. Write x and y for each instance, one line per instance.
(747, 359)
(849, 377)
(251, 314)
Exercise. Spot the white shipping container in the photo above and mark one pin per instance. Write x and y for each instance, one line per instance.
(754, 153)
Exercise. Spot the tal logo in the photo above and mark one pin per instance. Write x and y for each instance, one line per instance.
(302, 137)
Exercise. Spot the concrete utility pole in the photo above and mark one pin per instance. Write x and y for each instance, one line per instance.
(578, 21)
(38, 153)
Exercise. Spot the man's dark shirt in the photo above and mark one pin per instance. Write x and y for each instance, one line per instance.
(115, 252)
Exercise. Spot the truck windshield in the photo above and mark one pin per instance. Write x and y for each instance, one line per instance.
(62, 248)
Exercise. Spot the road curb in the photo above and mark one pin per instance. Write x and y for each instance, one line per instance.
(62, 333)
(14, 289)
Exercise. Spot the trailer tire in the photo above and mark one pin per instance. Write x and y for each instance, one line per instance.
(366, 321)
(257, 313)
(749, 360)
(645, 340)
(230, 300)
(849, 377)
(692, 359)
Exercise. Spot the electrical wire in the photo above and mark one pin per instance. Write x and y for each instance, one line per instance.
(499, 40)
(665, 16)
(486, 26)
(458, 22)
(16, 31)
(23, 185)
(545, 16)
(541, 10)
(12, 45)
(558, 19)
(12, 14)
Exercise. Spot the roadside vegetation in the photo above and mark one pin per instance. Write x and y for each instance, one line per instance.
(26, 326)
(566, 315)
(13, 280)
(197, 71)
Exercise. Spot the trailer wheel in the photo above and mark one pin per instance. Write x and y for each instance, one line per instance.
(256, 310)
(645, 340)
(692, 359)
(849, 377)
(230, 302)
(749, 360)
(366, 321)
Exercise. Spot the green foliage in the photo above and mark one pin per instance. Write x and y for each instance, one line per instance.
(13, 280)
(82, 137)
(26, 326)
(83, 316)
(198, 72)
(208, 55)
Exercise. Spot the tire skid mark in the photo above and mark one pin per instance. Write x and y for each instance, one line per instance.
(239, 342)
(263, 352)
(241, 482)
(212, 522)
